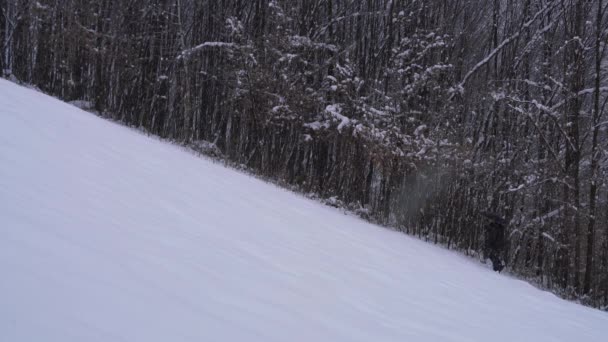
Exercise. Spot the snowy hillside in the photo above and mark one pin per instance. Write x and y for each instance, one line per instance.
(109, 235)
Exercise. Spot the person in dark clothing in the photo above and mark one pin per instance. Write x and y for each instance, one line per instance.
(494, 240)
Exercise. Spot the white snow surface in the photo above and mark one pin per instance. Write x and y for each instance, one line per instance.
(109, 235)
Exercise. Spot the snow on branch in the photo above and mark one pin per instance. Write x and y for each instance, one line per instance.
(335, 110)
(186, 53)
(548, 215)
(549, 237)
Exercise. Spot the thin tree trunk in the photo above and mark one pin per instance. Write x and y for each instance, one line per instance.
(594, 153)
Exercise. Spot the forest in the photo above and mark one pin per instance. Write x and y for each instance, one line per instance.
(416, 114)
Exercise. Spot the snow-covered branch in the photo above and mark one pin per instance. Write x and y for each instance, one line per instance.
(186, 53)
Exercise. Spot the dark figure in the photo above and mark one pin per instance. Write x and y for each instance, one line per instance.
(494, 240)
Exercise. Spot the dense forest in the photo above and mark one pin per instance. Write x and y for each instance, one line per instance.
(417, 114)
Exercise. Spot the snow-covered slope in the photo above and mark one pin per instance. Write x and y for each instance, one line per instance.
(109, 235)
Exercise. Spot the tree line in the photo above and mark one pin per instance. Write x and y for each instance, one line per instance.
(415, 114)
